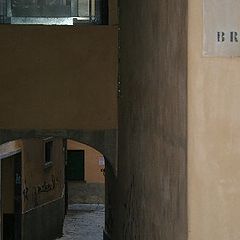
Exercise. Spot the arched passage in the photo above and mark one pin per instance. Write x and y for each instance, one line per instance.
(105, 141)
(85, 182)
(88, 160)
(100, 139)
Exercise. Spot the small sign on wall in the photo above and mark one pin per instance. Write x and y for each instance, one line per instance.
(221, 28)
(101, 161)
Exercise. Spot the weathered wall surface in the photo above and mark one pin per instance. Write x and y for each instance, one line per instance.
(214, 137)
(43, 190)
(42, 184)
(152, 120)
(92, 169)
(51, 228)
(56, 77)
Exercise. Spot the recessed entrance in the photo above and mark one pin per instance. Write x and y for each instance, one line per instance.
(75, 165)
(11, 197)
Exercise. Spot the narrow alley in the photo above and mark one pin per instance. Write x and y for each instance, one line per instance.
(85, 217)
(119, 119)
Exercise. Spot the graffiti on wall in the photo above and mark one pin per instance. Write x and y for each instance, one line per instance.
(46, 187)
(36, 191)
(25, 192)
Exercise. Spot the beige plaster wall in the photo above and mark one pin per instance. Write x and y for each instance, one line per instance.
(213, 139)
(93, 172)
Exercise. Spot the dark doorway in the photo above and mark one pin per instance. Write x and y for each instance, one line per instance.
(11, 174)
(75, 165)
(18, 196)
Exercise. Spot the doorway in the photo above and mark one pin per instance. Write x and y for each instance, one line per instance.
(11, 189)
(75, 165)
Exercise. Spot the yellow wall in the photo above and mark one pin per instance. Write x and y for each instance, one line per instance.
(36, 176)
(58, 77)
(92, 169)
(213, 139)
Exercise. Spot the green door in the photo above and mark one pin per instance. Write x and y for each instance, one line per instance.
(75, 165)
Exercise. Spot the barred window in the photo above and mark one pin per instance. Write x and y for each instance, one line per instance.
(53, 12)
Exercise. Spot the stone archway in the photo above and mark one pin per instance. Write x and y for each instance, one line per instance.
(105, 141)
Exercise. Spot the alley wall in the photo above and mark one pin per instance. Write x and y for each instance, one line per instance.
(42, 190)
(42, 183)
(59, 77)
(214, 137)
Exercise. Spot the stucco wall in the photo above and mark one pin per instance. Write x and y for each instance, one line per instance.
(41, 184)
(56, 77)
(92, 169)
(152, 121)
(214, 137)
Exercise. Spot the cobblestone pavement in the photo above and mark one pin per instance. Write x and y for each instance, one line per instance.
(84, 222)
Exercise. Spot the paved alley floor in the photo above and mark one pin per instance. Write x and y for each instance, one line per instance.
(84, 222)
(86, 193)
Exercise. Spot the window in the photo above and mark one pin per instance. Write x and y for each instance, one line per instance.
(48, 152)
(53, 12)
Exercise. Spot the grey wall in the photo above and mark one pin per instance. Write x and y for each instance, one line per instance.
(51, 228)
(152, 121)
